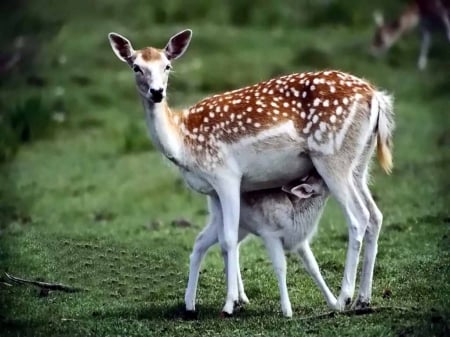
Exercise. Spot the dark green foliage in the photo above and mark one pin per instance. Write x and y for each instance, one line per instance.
(24, 122)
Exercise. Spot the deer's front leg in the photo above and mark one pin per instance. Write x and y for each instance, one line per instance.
(424, 48)
(228, 190)
(204, 241)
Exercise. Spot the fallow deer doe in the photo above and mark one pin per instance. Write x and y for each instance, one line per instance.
(431, 15)
(267, 135)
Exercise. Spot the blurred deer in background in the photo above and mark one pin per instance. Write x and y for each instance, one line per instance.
(430, 15)
(266, 135)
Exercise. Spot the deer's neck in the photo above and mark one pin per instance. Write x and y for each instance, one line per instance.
(163, 130)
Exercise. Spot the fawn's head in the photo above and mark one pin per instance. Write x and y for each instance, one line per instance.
(310, 186)
(151, 65)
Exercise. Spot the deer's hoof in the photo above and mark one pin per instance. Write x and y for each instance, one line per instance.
(190, 315)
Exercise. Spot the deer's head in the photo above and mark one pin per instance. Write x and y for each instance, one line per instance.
(151, 66)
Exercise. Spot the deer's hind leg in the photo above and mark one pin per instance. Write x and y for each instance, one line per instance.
(361, 177)
(337, 173)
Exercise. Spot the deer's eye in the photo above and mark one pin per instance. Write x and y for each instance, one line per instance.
(168, 67)
(137, 69)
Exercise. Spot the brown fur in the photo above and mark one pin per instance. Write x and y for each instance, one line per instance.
(262, 106)
(150, 54)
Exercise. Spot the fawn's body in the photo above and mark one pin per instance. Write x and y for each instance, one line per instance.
(264, 135)
(285, 220)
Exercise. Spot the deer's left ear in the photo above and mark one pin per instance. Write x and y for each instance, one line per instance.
(121, 47)
(302, 191)
(178, 44)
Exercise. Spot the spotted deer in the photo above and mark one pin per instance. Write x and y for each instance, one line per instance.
(266, 135)
(430, 15)
(284, 218)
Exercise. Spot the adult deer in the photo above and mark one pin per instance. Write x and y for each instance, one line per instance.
(431, 15)
(266, 135)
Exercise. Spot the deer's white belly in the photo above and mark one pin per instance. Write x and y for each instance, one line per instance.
(272, 158)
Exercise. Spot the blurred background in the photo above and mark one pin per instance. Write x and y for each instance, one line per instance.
(81, 183)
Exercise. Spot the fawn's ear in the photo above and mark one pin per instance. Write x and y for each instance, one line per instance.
(178, 44)
(302, 191)
(378, 18)
(121, 47)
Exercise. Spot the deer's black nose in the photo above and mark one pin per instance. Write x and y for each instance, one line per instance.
(157, 95)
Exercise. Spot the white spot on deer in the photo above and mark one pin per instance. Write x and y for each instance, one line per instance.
(257, 125)
(339, 110)
(303, 115)
(201, 138)
(315, 119)
(225, 108)
(316, 80)
(333, 119)
(275, 105)
(307, 128)
(326, 103)
(336, 102)
(345, 100)
(206, 120)
(316, 102)
(332, 89)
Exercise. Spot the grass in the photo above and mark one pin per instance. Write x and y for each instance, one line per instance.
(93, 205)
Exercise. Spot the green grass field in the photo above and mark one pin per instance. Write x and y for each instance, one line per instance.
(94, 206)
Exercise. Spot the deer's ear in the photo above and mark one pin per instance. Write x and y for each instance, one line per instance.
(178, 44)
(121, 47)
(378, 18)
(302, 191)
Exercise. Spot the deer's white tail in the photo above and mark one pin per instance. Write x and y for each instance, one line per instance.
(382, 104)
